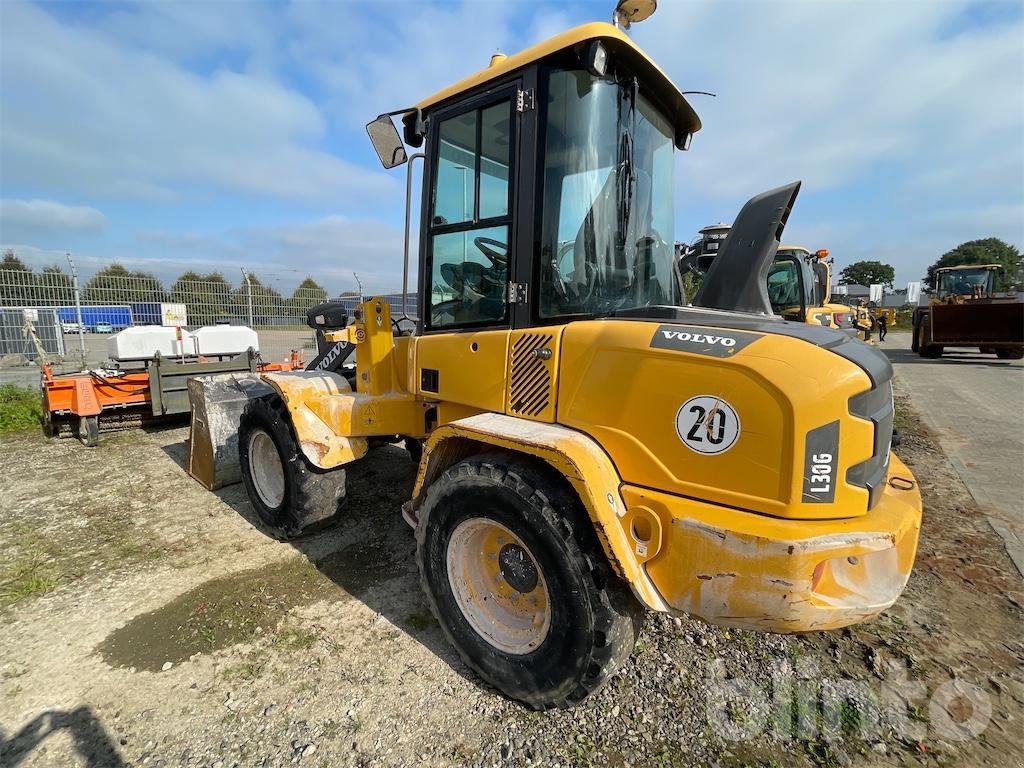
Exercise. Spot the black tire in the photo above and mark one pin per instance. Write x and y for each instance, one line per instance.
(89, 430)
(49, 428)
(913, 339)
(593, 618)
(310, 498)
(1010, 354)
(924, 349)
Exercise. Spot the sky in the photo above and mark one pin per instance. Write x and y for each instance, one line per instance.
(222, 135)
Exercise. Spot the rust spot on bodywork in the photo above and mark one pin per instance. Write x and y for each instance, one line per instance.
(318, 448)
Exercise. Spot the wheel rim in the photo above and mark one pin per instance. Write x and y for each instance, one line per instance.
(498, 586)
(266, 469)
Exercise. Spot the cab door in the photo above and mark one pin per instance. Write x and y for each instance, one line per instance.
(469, 244)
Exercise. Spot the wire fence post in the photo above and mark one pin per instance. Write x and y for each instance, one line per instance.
(248, 295)
(78, 308)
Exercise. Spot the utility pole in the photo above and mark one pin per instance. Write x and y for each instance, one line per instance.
(78, 308)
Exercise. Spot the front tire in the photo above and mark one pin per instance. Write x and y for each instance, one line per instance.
(1010, 354)
(517, 580)
(289, 495)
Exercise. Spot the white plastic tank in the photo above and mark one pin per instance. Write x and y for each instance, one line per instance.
(142, 342)
(214, 340)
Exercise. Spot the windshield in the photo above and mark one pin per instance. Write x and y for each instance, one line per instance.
(962, 282)
(607, 223)
(785, 281)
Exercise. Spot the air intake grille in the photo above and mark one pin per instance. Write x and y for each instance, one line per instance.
(530, 377)
(876, 406)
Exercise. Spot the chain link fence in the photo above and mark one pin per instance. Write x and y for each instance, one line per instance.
(52, 315)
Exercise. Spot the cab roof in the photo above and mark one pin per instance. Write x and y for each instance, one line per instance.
(619, 45)
(969, 266)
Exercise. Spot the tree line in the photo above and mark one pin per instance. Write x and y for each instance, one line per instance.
(989, 250)
(208, 297)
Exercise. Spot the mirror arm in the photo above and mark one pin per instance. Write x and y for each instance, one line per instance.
(408, 217)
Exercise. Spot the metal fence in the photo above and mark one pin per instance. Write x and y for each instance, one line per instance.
(53, 314)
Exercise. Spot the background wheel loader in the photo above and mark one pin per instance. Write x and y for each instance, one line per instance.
(799, 282)
(590, 446)
(966, 311)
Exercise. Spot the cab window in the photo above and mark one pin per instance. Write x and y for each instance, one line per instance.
(470, 219)
(784, 286)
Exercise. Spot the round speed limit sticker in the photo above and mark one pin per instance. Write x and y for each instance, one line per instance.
(707, 424)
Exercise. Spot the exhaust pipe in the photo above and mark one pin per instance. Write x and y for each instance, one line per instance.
(738, 278)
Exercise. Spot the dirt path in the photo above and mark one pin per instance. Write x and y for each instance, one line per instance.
(148, 622)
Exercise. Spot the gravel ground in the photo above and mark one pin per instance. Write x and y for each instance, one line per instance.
(149, 622)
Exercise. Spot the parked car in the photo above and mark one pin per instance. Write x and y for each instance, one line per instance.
(70, 327)
(103, 328)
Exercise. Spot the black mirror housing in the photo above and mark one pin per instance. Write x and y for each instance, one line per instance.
(329, 316)
(414, 128)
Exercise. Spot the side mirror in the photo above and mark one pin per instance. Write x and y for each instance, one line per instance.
(386, 141)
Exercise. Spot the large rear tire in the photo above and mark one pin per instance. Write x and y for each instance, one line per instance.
(517, 580)
(1010, 354)
(290, 496)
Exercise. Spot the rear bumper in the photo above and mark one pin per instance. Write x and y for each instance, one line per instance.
(755, 572)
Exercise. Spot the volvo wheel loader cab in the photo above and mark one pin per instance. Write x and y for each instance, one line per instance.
(590, 446)
(966, 311)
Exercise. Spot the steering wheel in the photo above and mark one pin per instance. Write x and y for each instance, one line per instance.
(487, 247)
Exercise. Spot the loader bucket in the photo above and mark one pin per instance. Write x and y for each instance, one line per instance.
(212, 444)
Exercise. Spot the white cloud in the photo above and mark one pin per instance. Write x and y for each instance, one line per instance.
(371, 65)
(47, 216)
(86, 113)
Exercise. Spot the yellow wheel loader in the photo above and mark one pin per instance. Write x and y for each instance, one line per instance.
(966, 311)
(590, 447)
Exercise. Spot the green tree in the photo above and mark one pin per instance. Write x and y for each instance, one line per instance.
(117, 285)
(207, 298)
(56, 286)
(307, 294)
(17, 283)
(11, 261)
(867, 273)
(990, 250)
(268, 306)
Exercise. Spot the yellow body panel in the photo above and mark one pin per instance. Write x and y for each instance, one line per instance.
(471, 367)
(304, 393)
(626, 395)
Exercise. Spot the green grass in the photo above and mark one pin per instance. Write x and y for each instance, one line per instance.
(25, 578)
(20, 408)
